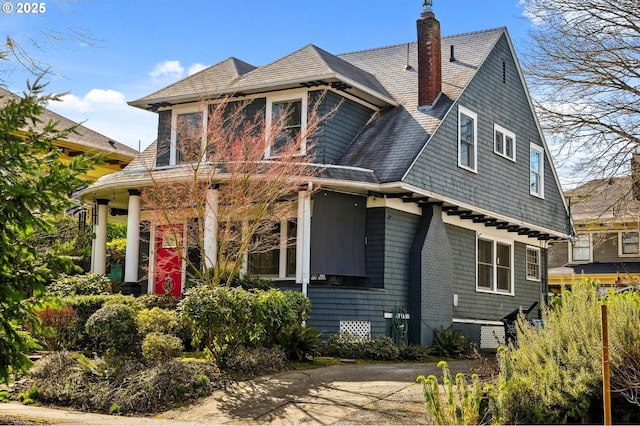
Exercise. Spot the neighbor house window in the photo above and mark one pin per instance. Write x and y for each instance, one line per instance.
(186, 136)
(289, 114)
(533, 263)
(581, 248)
(629, 243)
(536, 171)
(494, 266)
(467, 137)
(504, 142)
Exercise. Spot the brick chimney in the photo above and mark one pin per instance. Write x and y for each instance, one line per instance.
(635, 175)
(429, 56)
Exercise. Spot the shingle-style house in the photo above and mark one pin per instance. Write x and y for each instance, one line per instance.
(437, 184)
(606, 248)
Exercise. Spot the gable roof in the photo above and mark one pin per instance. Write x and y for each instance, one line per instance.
(604, 200)
(211, 80)
(83, 137)
(391, 142)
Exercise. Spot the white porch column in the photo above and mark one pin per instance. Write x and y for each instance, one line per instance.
(133, 237)
(303, 239)
(211, 227)
(100, 248)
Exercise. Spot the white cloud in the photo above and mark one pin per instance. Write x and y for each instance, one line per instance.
(171, 70)
(107, 112)
(195, 68)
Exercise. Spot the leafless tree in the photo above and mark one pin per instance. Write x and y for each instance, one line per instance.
(583, 64)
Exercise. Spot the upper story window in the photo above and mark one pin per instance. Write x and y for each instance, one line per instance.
(467, 139)
(494, 266)
(187, 133)
(504, 142)
(629, 243)
(533, 263)
(290, 111)
(536, 171)
(581, 248)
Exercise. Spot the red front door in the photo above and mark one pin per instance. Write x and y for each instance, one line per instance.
(168, 263)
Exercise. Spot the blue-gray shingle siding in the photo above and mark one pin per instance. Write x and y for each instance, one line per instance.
(339, 129)
(500, 185)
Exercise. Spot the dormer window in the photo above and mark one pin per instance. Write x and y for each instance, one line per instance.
(290, 111)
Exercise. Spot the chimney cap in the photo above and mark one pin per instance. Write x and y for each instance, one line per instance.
(427, 5)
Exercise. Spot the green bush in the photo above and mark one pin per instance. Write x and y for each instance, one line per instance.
(555, 374)
(87, 284)
(162, 301)
(116, 251)
(223, 318)
(60, 325)
(301, 343)
(381, 348)
(158, 347)
(349, 345)
(461, 402)
(85, 306)
(415, 353)
(449, 342)
(247, 281)
(113, 326)
(157, 320)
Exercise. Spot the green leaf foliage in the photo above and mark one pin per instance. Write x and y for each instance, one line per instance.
(33, 182)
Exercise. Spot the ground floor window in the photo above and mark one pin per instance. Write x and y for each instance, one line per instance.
(273, 251)
(494, 266)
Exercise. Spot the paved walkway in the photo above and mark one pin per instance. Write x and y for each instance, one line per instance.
(345, 394)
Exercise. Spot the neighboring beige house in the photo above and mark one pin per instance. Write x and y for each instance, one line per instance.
(606, 215)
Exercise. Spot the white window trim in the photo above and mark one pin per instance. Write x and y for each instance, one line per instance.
(291, 96)
(175, 111)
(494, 289)
(526, 263)
(474, 116)
(283, 252)
(540, 151)
(570, 247)
(505, 132)
(620, 254)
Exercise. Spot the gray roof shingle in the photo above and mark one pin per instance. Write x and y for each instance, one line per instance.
(83, 136)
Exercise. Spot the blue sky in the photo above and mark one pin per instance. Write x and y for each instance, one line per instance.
(137, 47)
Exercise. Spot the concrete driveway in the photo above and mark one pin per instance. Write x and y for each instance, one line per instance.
(338, 395)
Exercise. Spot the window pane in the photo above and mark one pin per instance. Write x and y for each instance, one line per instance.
(264, 258)
(291, 248)
(508, 151)
(581, 249)
(630, 243)
(290, 112)
(188, 137)
(485, 276)
(504, 279)
(499, 142)
(504, 255)
(535, 161)
(466, 129)
(485, 252)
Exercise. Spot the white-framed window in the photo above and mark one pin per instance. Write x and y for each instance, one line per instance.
(292, 110)
(533, 263)
(278, 258)
(467, 139)
(536, 171)
(494, 267)
(629, 244)
(187, 135)
(580, 250)
(504, 142)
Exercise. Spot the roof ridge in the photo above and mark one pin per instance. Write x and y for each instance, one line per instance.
(415, 42)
